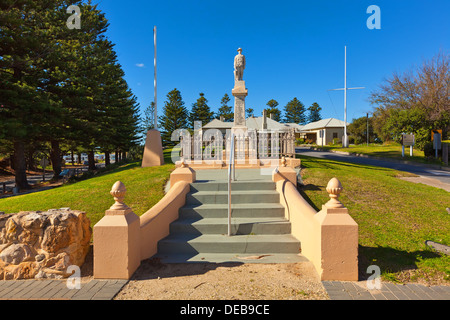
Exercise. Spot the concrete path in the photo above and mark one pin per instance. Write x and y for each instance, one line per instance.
(342, 290)
(58, 290)
(421, 170)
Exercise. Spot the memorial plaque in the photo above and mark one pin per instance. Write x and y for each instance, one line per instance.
(408, 140)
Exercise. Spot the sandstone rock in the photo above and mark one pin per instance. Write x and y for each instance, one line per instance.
(36, 244)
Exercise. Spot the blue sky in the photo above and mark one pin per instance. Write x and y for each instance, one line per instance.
(293, 48)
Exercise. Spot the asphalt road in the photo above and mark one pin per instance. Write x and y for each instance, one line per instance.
(420, 170)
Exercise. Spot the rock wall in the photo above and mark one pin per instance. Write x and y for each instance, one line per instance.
(35, 244)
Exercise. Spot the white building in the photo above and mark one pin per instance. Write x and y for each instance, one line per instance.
(324, 131)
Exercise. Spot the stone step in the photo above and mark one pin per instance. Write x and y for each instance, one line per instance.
(239, 226)
(241, 196)
(231, 258)
(237, 244)
(242, 210)
(235, 185)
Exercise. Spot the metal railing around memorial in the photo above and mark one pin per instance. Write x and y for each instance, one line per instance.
(213, 145)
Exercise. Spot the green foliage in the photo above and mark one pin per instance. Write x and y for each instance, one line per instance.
(174, 116)
(294, 112)
(414, 102)
(273, 110)
(358, 130)
(225, 110)
(409, 121)
(60, 86)
(200, 112)
(314, 112)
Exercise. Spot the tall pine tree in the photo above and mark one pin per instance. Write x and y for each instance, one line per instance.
(200, 112)
(273, 110)
(314, 112)
(294, 112)
(174, 116)
(225, 110)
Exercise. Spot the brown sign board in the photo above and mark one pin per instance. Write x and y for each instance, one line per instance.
(408, 140)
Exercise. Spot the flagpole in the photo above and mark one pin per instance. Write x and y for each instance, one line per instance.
(345, 145)
(345, 142)
(156, 108)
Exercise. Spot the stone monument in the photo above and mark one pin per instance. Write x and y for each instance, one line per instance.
(239, 91)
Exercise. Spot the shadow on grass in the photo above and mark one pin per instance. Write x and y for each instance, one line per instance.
(309, 187)
(390, 260)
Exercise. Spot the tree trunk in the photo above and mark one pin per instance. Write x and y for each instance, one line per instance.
(79, 158)
(20, 165)
(117, 156)
(55, 158)
(12, 161)
(71, 156)
(30, 159)
(91, 160)
(107, 159)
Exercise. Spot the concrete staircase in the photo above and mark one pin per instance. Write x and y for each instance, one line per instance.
(260, 233)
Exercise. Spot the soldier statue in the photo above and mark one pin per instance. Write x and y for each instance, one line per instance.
(239, 65)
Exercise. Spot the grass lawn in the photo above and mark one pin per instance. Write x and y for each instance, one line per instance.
(388, 150)
(395, 218)
(145, 187)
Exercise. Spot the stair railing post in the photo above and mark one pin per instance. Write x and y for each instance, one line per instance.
(230, 165)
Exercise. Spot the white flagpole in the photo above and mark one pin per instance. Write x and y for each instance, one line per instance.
(345, 100)
(345, 142)
(156, 108)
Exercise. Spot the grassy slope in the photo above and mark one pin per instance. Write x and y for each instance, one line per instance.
(145, 187)
(395, 217)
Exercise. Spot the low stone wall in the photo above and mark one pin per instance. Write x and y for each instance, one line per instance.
(35, 244)
(329, 238)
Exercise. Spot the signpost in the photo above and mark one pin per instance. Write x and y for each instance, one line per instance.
(44, 163)
(408, 140)
(437, 141)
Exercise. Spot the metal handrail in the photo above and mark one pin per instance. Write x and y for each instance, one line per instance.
(231, 166)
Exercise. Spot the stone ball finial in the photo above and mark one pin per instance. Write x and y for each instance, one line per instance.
(118, 191)
(283, 161)
(334, 188)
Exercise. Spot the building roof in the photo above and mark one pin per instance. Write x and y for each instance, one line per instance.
(324, 123)
(296, 126)
(217, 124)
(256, 123)
(251, 123)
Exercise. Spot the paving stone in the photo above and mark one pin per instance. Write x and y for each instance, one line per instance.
(340, 290)
(39, 289)
(25, 293)
(13, 289)
(364, 295)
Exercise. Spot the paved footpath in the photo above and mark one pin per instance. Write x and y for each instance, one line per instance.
(58, 290)
(107, 290)
(342, 290)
